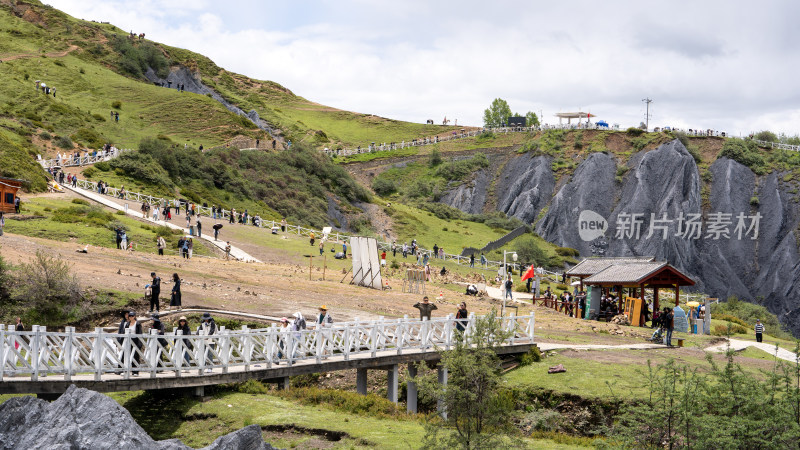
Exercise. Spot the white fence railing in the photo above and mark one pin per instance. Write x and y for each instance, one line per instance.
(41, 353)
(224, 215)
(83, 160)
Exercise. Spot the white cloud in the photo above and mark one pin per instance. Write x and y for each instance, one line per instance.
(724, 65)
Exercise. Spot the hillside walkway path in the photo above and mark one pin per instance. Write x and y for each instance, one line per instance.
(236, 252)
(738, 344)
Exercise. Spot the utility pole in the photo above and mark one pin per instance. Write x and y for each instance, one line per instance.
(647, 100)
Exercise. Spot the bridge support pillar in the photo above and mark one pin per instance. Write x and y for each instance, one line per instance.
(441, 373)
(199, 391)
(411, 390)
(361, 381)
(283, 383)
(392, 379)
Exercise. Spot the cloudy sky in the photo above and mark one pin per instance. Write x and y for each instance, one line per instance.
(727, 65)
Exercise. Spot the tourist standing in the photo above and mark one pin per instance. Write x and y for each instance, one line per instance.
(425, 308)
(155, 291)
(472, 260)
(199, 227)
(759, 329)
(183, 327)
(2, 223)
(508, 285)
(283, 222)
(669, 322)
(208, 328)
(228, 250)
(461, 317)
(161, 244)
(136, 343)
(176, 292)
(190, 248)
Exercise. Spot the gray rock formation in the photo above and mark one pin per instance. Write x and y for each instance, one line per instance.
(470, 197)
(84, 419)
(664, 182)
(525, 187)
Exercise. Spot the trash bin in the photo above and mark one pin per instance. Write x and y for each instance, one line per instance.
(191, 230)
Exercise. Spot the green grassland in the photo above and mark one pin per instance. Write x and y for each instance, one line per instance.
(62, 220)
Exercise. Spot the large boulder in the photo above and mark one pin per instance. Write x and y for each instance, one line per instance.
(81, 418)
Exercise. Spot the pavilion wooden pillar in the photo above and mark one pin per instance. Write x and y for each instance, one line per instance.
(643, 311)
(677, 294)
(655, 299)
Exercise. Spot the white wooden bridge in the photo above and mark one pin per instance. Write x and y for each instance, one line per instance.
(46, 362)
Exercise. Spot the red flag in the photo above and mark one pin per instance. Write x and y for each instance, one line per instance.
(530, 273)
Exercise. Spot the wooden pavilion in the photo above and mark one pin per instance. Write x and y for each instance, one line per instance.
(8, 193)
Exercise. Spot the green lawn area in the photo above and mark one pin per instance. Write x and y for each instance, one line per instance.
(92, 233)
(198, 423)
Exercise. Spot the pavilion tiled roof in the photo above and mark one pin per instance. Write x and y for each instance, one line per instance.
(626, 273)
(592, 266)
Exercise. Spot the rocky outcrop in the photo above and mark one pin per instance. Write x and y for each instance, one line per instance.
(470, 197)
(660, 190)
(81, 418)
(525, 187)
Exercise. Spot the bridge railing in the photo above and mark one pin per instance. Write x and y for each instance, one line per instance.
(41, 353)
(72, 161)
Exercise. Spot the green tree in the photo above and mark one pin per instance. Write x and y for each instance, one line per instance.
(532, 119)
(766, 135)
(529, 251)
(435, 158)
(5, 281)
(497, 114)
(478, 413)
(51, 292)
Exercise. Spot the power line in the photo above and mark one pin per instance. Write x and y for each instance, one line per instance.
(647, 100)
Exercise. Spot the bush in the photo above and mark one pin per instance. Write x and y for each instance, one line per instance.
(99, 117)
(80, 201)
(141, 166)
(528, 251)
(566, 251)
(533, 355)
(64, 142)
(45, 135)
(89, 137)
(102, 166)
(633, 131)
(435, 158)
(732, 319)
(89, 172)
(748, 313)
(765, 135)
(383, 186)
(725, 330)
(50, 291)
(351, 402)
(116, 104)
(745, 153)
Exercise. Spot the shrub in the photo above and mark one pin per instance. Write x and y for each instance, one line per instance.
(80, 201)
(732, 319)
(50, 291)
(765, 135)
(102, 166)
(45, 135)
(383, 186)
(528, 251)
(745, 153)
(141, 166)
(394, 264)
(435, 158)
(748, 313)
(89, 172)
(725, 330)
(116, 104)
(566, 251)
(64, 142)
(99, 117)
(82, 71)
(633, 131)
(754, 200)
(89, 137)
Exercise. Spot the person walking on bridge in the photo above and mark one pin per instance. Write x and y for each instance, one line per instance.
(176, 292)
(136, 343)
(183, 327)
(208, 328)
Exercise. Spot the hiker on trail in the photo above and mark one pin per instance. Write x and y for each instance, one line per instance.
(427, 272)
(232, 218)
(383, 259)
(119, 238)
(183, 327)
(283, 223)
(394, 249)
(461, 317)
(208, 328)
(190, 247)
(228, 250)
(435, 251)
(124, 243)
(116, 117)
(508, 285)
(321, 248)
(669, 324)
(405, 250)
(483, 260)
(759, 329)
(199, 227)
(136, 343)
(161, 244)
(324, 320)
(284, 330)
(425, 308)
(472, 260)
(344, 250)
(311, 236)
(176, 292)
(155, 291)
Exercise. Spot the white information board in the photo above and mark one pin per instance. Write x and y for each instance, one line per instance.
(366, 262)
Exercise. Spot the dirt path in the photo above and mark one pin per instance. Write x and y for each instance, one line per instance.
(61, 54)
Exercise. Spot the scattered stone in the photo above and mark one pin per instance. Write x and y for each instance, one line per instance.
(621, 319)
(557, 369)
